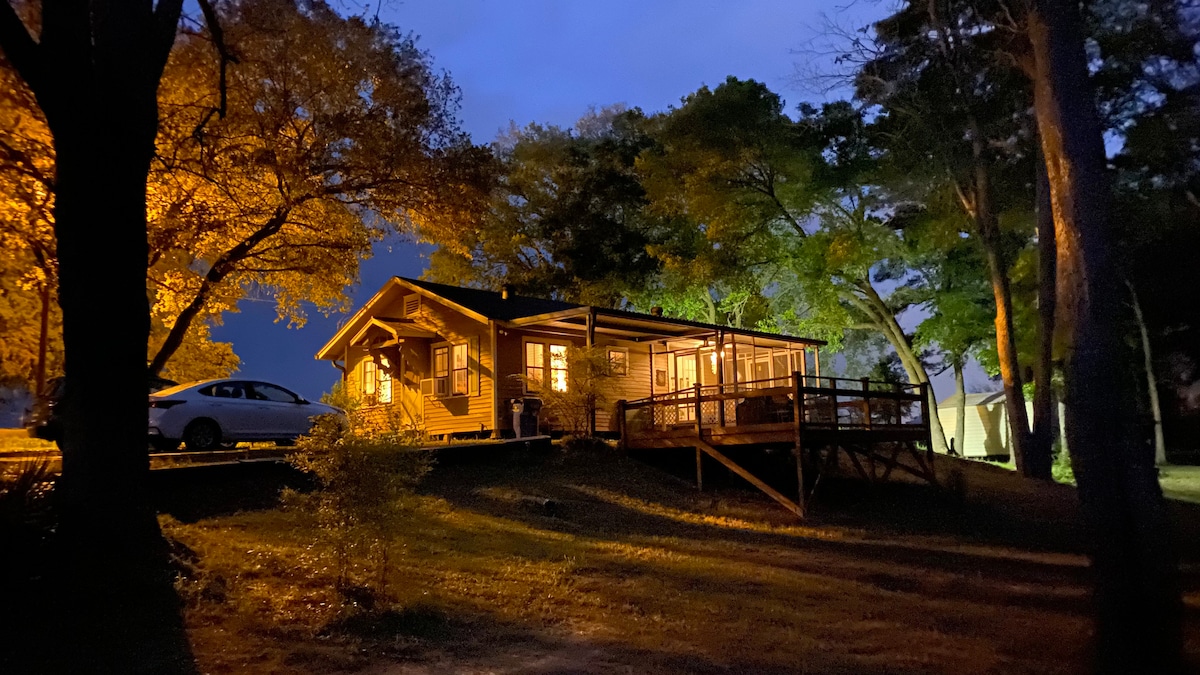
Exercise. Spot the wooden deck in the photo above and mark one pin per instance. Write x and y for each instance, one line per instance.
(881, 427)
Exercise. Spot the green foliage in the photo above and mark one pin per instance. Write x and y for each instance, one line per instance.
(343, 397)
(566, 218)
(364, 478)
(25, 494)
(1061, 470)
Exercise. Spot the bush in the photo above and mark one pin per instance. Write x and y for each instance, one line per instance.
(587, 371)
(364, 477)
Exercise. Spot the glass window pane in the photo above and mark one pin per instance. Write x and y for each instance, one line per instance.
(460, 356)
(267, 392)
(441, 362)
(558, 356)
(558, 367)
(368, 380)
(460, 382)
(533, 354)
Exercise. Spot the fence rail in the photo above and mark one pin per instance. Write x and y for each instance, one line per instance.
(800, 401)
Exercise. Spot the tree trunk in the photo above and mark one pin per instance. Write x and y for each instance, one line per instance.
(885, 319)
(220, 269)
(95, 74)
(1160, 444)
(1044, 429)
(1006, 343)
(960, 411)
(1137, 595)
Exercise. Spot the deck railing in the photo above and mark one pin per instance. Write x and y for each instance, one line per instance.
(801, 401)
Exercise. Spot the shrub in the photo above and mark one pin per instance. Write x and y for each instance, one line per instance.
(364, 477)
(588, 370)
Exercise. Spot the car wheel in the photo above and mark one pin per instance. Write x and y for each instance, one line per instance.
(202, 435)
(164, 445)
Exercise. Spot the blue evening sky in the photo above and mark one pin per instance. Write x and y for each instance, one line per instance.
(548, 61)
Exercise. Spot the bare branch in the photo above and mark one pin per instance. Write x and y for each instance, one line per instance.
(226, 57)
(20, 48)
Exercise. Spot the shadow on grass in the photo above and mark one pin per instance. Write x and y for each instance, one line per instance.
(64, 615)
(997, 557)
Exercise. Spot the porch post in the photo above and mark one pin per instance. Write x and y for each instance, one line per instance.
(496, 407)
(591, 342)
(720, 377)
(798, 451)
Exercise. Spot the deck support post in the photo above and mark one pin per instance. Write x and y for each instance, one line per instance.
(866, 386)
(622, 446)
(797, 416)
(699, 413)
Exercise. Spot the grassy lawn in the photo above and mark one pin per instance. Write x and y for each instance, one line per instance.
(636, 572)
(19, 440)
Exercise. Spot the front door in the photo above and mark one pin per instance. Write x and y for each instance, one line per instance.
(685, 379)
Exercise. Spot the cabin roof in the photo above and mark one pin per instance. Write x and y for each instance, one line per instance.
(524, 311)
(492, 304)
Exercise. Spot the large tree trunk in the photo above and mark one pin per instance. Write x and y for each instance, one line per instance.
(1006, 342)
(1044, 429)
(1137, 595)
(95, 74)
(1160, 443)
(100, 205)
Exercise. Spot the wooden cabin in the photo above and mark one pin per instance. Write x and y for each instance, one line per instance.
(453, 362)
(449, 359)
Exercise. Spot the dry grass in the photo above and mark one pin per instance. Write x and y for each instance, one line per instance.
(635, 572)
(19, 440)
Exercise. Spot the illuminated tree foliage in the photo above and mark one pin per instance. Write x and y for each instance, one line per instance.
(566, 217)
(790, 207)
(335, 131)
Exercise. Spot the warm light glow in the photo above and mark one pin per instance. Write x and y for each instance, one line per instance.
(558, 367)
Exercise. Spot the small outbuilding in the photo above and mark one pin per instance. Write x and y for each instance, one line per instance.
(988, 434)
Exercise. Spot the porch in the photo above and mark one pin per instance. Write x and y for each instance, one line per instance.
(881, 427)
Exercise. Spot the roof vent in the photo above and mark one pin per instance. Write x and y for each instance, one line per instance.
(505, 292)
(656, 311)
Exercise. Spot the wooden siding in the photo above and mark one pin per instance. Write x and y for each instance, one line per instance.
(511, 364)
(458, 414)
(635, 385)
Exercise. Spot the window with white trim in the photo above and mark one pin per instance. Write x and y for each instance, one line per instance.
(452, 369)
(618, 361)
(545, 363)
(535, 365)
(384, 388)
(369, 378)
(376, 381)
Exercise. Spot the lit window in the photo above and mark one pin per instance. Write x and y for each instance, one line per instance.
(618, 362)
(535, 368)
(459, 371)
(558, 367)
(369, 377)
(385, 381)
(441, 362)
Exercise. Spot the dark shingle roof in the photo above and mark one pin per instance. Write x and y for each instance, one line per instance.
(490, 304)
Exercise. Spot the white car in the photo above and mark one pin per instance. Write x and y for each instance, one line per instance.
(207, 414)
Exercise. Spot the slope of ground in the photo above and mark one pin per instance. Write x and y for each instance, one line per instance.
(627, 569)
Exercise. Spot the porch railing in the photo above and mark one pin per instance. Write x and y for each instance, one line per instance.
(803, 401)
